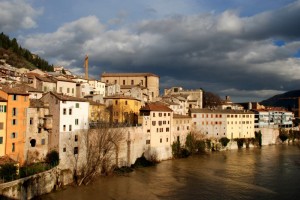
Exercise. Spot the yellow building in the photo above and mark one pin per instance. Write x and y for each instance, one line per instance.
(3, 107)
(17, 104)
(98, 112)
(123, 109)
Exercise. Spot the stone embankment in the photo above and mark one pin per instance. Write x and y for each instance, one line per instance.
(36, 185)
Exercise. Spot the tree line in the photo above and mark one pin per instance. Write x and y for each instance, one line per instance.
(13, 46)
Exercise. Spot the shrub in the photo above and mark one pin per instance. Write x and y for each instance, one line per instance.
(33, 169)
(224, 141)
(8, 171)
(283, 137)
(240, 142)
(52, 158)
(258, 137)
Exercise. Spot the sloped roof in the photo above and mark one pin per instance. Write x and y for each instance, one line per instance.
(127, 74)
(36, 103)
(156, 106)
(180, 116)
(16, 89)
(229, 111)
(120, 97)
(63, 97)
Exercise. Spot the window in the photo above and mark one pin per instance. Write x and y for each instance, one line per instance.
(14, 97)
(31, 121)
(115, 81)
(14, 111)
(70, 127)
(148, 131)
(2, 108)
(39, 130)
(77, 105)
(43, 142)
(13, 147)
(70, 111)
(64, 149)
(160, 140)
(167, 129)
(1, 125)
(60, 89)
(153, 123)
(76, 138)
(147, 141)
(123, 82)
(142, 82)
(159, 123)
(72, 90)
(68, 90)
(194, 115)
(14, 122)
(125, 102)
(153, 114)
(116, 102)
(64, 111)
(76, 121)
(167, 139)
(75, 150)
(168, 114)
(159, 114)
(33, 142)
(187, 128)
(1, 140)
(64, 127)
(132, 82)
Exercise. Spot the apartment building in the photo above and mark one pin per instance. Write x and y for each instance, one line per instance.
(182, 125)
(217, 123)
(70, 123)
(273, 118)
(17, 105)
(3, 110)
(156, 119)
(127, 80)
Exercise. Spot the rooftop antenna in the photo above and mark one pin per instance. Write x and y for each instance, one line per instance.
(86, 66)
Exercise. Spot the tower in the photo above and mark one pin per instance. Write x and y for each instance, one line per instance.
(86, 66)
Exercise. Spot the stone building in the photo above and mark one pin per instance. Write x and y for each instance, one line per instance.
(194, 98)
(182, 125)
(128, 80)
(39, 126)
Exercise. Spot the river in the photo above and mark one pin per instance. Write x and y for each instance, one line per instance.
(272, 172)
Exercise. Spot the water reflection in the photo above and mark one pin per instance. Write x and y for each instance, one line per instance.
(268, 173)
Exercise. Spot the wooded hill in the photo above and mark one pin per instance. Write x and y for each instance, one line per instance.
(19, 57)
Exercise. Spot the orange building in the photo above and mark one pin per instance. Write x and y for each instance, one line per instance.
(17, 104)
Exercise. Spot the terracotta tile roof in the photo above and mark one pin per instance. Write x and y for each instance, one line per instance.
(127, 74)
(2, 100)
(17, 89)
(156, 106)
(36, 103)
(229, 111)
(67, 98)
(180, 116)
(120, 97)
(63, 79)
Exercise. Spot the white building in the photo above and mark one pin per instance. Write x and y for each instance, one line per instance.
(223, 123)
(65, 86)
(70, 123)
(156, 120)
(98, 87)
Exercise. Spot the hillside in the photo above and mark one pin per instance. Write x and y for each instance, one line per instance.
(288, 100)
(13, 54)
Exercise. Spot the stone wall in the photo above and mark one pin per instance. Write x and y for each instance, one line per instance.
(38, 184)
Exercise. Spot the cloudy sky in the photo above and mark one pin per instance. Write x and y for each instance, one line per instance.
(247, 49)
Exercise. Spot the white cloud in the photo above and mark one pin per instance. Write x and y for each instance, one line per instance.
(17, 14)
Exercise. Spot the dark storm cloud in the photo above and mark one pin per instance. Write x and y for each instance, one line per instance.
(223, 53)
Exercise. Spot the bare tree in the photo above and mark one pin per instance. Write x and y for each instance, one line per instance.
(98, 152)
